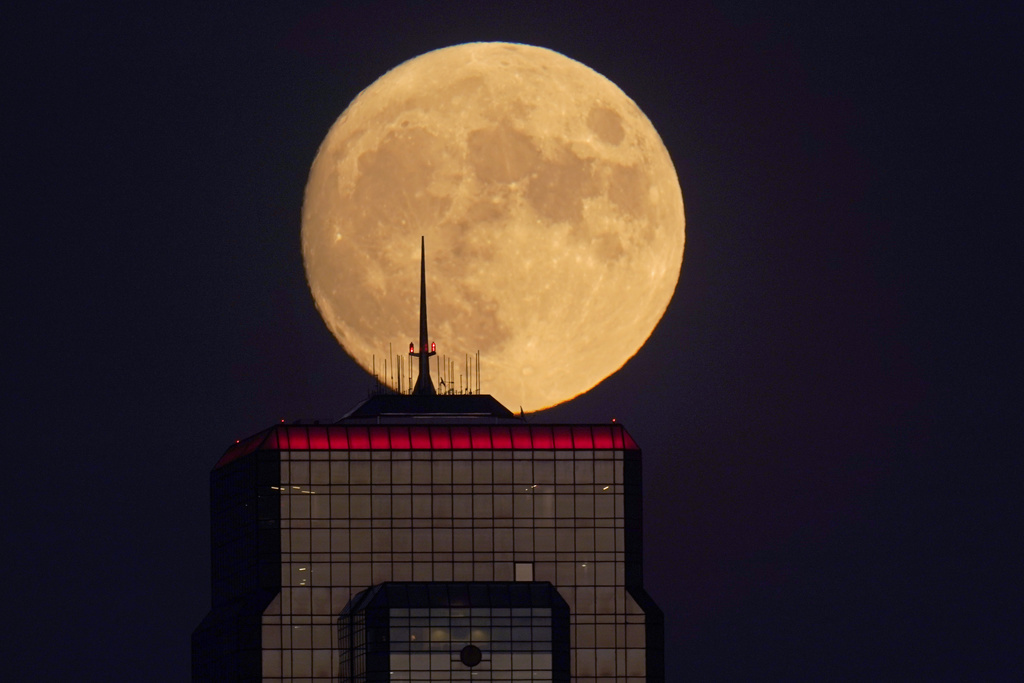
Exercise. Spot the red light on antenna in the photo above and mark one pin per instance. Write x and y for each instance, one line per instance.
(412, 348)
(433, 347)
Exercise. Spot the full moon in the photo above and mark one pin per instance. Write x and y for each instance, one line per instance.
(551, 211)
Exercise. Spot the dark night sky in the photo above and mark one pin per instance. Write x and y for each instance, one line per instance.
(830, 491)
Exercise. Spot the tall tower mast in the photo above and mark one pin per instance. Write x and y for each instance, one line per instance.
(424, 386)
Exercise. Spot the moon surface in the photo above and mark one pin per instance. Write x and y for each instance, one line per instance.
(551, 210)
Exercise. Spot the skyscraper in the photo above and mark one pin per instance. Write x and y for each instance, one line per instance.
(429, 536)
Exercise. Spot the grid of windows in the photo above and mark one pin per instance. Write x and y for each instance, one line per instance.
(360, 505)
(352, 519)
(455, 632)
(502, 629)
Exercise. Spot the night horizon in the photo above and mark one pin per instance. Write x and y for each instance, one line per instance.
(828, 490)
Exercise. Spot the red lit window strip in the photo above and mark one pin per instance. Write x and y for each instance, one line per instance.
(501, 438)
(400, 438)
(426, 437)
(338, 438)
(318, 438)
(481, 438)
(581, 437)
(603, 437)
(439, 437)
(521, 437)
(563, 437)
(420, 438)
(460, 437)
(298, 439)
(358, 439)
(379, 438)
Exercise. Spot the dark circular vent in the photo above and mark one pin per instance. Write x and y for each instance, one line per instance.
(470, 655)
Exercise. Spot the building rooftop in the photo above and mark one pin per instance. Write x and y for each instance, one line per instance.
(384, 408)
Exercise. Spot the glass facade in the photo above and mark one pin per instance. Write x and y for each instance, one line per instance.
(455, 632)
(246, 557)
(351, 507)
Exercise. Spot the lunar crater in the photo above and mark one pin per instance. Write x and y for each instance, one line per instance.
(606, 124)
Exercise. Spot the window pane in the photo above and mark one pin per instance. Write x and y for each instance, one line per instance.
(524, 571)
(443, 472)
(563, 472)
(359, 472)
(360, 507)
(421, 473)
(462, 472)
(401, 472)
(503, 506)
(503, 472)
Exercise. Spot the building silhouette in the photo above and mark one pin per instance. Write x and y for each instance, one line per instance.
(429, 536)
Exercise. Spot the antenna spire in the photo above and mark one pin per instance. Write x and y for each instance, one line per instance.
(423, 386)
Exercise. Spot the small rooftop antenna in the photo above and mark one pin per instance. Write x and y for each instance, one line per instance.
(424, 387)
